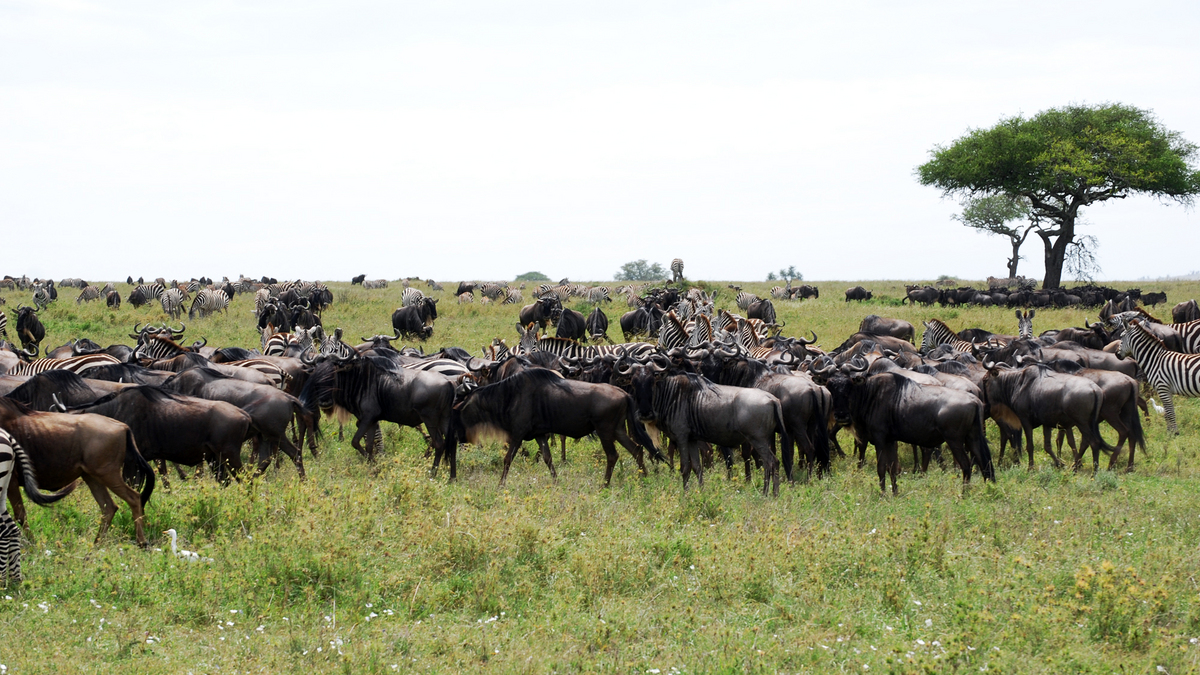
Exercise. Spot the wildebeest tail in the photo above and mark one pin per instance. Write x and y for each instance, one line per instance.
(1137, 436)
(1094, 425)
(639, 430)
(818, 433)
(137, 470)
(983, 454)
(29, 478)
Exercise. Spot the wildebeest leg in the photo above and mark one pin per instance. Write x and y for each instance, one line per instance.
(513, 446)
(917, 466)
(547, 455)
(365, 427)
(693, 450)
(861, 447)
(926, 454)
(746, 459)
(727, 455)
(1050, 449)
(706, 454)
(766, 455)
(564, 447)
(107, 508)
(685, 463)
(887, 461)
(293, 453)
(115, 484)
(958, 450)
(610, 456)
(1027, 429)
(634, 449)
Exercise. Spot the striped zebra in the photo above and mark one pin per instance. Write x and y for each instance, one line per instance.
(332, 345)
(701, 330)
(1189, 336)
(744, 300)
(677, 270)
(780, 293)
(411, 296)
(373, 284)
(41, 297)
(262, 298)
(570, 349)
(937, 333)
(208, 302)
(172, 302)
(448, 368)
(157, 347)
(4, 325)
(278, 377)
(276, 344)
(108, 288)
(466, 298)
(1168, 372)
(75, 364)
(88, 294)
(672, 334)
(513, 296)
(1025, 325)
(598, 294)
(491, 290)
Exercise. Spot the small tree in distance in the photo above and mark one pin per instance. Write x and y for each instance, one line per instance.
(640, 270)
(790, 274)
(532, 276)
(992, 214)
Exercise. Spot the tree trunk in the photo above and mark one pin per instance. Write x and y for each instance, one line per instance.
(1012, 262)
(1056, 251)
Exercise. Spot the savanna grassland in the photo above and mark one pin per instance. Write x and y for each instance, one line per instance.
(378, 568)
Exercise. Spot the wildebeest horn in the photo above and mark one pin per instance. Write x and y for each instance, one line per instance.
(307, 358)
(802, 342)
(57, 404)
(31, 355)
(136, 328)
(182, 328)
(200, 343)
(988, 364)
(857, 365)
(623, 368)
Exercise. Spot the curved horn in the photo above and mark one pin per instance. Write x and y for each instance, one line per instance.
(136, 328)
(803, 343)
(200, 343)
(182, 328)
(623, 368)
(857, 365)
(31, 355)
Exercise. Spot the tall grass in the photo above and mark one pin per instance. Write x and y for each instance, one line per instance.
(378, 568)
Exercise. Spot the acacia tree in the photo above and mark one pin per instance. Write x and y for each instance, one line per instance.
(1063, 159)
(992, 215)
(640, 270)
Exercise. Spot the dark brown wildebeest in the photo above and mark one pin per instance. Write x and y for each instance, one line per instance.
(179, 429)
(1185, 311)
(1035, 396)
(874, 324)
(888, 409)
(690, 409)
(571, 325)
(537, 402)
(546, 309)
(65, 448)
(857, 293)
(1120, 410)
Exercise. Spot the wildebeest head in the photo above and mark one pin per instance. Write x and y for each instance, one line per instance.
(639, 380)
(840, 382)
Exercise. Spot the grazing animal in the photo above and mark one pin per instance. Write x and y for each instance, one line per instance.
(878, 325)
(571, 325)
(64, 448)
(29, 328)
(857, 293)
(15, 462)
(597, 325)
(1185, 312)
(677, 270)
(416, 320)
(1167, 372)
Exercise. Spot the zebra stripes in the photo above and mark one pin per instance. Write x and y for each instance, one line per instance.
(372, 284)
(672, 334)
(10, 536)
(744, 300)
(677, 270)
(937, 333)
(1168, 372)
(332, 345)
(411, 296)
(448, 368)
(4, 325)
(89, 294)
(172, 302)
(75, 364)
(513, 296)
(208, 302)
(491, 290)
(598, 294)
(1189, 336)
(41, 297)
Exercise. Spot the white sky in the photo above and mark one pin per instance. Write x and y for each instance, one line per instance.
(485, 139)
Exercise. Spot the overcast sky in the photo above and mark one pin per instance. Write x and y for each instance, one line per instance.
(485, 139)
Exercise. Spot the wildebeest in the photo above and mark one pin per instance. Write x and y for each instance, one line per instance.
(1120, 410)
(375, 390)
(641, 321)
(1185, 311)
(692, 410)
(857, 293)
(15, 461)
(270, 410)
(571, 325)
(29, 328)
(179, 429)
(597, 325)
(926, 295)
(1035, 396)
(113, 300)
(464, 287)
(1152, 299)
(888, 409)
(877, 325)
(547, 309)
(537, 402)
(415, 320)
(66, 447)
(358, 279)
(763, 310)
(807, 291)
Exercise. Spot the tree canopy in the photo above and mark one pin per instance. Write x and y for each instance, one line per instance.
(992, 214)
(640, 270)
(532, 276)
(1063, 159)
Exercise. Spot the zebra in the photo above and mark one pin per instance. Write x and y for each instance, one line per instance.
(411, 296)
(448, 368)
(172, 302)
(88, 294)
(701, 330)
(466, 298)
(433, 285)
(671, 334)
(372, 284)
(262, 298)
(208, 302)
(1025, 325)
(41, 297)
(677, 270)
(4, 325)
(14, 459)
(744, 299)
(108, 288)
(491, 290)
(938, 333)
(598, 294)
(75, 364)
(780, 293)
(332, 345)
(157, 347)
(275, 345)
(1167, 371)
(513, 296)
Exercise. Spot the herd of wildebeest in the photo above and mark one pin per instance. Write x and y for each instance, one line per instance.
(687, 377)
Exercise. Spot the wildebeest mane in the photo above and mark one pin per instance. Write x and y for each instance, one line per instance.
(38, 391)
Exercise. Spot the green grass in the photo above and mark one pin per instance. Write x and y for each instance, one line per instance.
(1044, 571)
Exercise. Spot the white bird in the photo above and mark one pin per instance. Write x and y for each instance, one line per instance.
(190, 556)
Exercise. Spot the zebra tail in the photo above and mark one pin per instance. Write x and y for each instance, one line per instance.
(639, 430)
(137, 470)
(29, 478)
